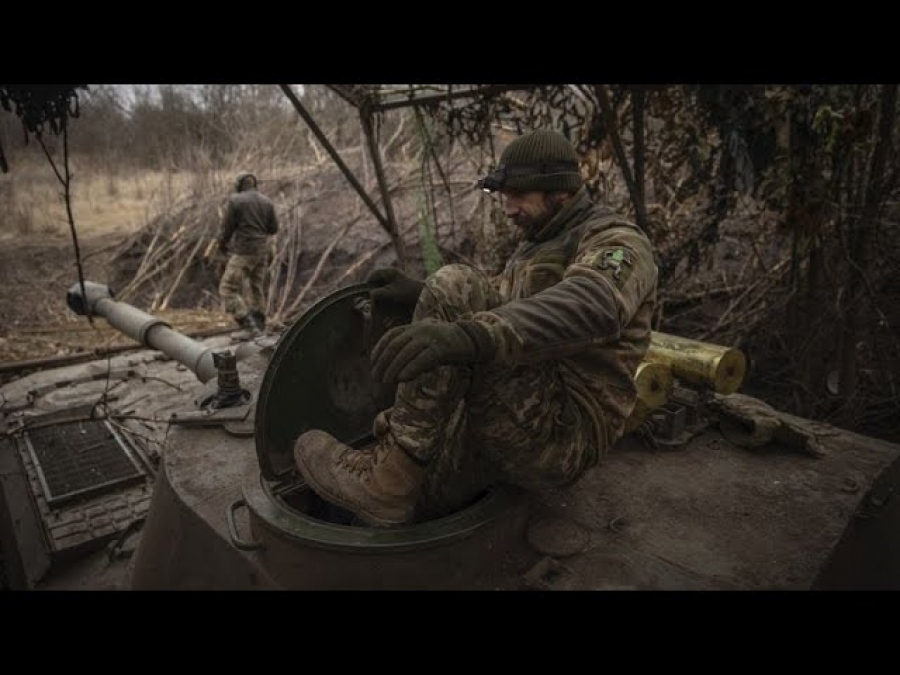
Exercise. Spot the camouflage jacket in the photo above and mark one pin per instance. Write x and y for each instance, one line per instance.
(250, 219)
(583, 295)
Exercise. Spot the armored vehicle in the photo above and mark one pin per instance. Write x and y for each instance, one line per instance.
(171, 468)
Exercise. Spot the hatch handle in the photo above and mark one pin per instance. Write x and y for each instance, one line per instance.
(232, 528)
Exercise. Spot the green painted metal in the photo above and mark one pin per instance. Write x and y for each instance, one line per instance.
(302, 529)
(319, 377)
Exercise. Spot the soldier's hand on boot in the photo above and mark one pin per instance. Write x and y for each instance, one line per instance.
(407, 351)
(394, 286)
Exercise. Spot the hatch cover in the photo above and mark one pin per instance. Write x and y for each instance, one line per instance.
(319, 377)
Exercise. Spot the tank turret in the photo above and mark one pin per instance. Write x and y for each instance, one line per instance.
(172, 468)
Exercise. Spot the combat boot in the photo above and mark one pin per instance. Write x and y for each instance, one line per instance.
(250, 329)
(379, 485)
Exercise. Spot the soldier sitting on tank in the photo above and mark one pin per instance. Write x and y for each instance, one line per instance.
(524, 379)
(250, 221)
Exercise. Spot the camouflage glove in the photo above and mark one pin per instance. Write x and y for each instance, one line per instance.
(394, 287)
(407, 351)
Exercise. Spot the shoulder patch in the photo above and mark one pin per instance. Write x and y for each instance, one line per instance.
(616, 262)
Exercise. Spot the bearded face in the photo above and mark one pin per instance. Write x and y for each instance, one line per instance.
(531, 211)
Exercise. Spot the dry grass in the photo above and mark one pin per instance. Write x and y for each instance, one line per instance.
(103, 202)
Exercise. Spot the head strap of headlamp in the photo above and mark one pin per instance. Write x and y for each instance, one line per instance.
(496, 179)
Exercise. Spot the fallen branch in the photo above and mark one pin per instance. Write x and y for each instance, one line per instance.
(178, 278)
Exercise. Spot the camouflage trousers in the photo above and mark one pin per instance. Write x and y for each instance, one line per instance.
(242, 288)
(478, 426)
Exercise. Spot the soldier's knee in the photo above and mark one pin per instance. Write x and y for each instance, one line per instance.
(458, 288)
(455, 274)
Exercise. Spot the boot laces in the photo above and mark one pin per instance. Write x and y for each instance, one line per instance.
(361, 461)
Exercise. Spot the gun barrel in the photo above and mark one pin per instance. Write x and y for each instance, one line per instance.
(150, 331)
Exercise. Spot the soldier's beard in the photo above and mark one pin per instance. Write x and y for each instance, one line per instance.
(532, 225)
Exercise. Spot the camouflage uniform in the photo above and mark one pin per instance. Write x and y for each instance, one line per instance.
(247, 227)
(571, 316)
(526, 378)
(242, 287)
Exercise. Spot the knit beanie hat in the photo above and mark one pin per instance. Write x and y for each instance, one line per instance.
(244, 181)
(542, 160)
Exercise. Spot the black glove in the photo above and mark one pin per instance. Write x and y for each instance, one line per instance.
(223, 247)
(407, 351)
(394, 287)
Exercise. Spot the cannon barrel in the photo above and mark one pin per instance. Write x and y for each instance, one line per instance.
(97, 299)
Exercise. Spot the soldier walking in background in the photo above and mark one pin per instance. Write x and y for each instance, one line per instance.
(245, 234)
(525, 378)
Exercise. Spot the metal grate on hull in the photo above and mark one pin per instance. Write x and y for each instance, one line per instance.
(81, 459)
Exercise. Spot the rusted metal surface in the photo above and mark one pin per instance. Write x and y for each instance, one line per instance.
(380, 97)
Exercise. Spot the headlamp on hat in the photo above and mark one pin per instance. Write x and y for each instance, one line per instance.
(545, 176)
(493, 181)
